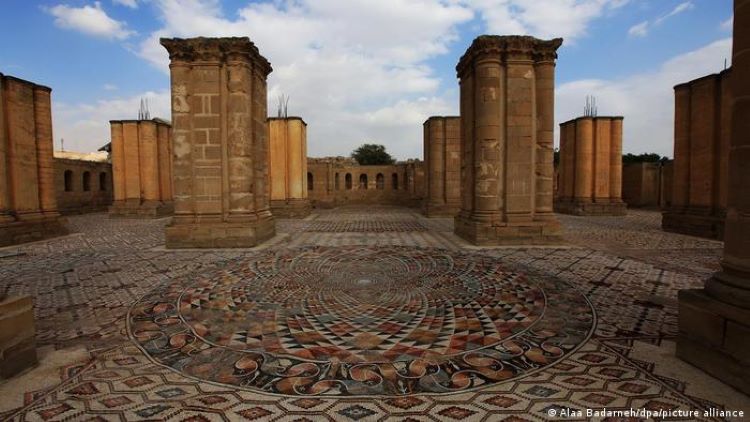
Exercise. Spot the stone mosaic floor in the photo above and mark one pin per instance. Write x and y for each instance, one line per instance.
(357, 314)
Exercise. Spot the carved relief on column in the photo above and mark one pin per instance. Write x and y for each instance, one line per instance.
(506, 167)
(220, 156)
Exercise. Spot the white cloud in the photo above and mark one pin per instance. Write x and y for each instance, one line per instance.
(645, 99)
(133, 4)
(542, 18)
(727, 25)
(639, 30)
(85, 127)
(91, 20)
(682, 7)
(109, 87)
(336, 60)
(642, 29)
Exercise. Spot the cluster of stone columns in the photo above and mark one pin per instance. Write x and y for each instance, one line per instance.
(219, 134)
(715, 321)
(702, 133)
(288, 167)
(442, 158)
(141, 168)
(28, 204)
(507, 121)
(591, 167)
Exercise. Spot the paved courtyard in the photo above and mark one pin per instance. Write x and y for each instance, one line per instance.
(358, 314)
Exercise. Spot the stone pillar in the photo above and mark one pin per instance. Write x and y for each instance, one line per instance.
(44, 150)
(544, 71)
(28, 204)
(715, 321)
(701, 154)
(288, 167)
(591, 151)
(141, 168)
(220, 141)
(506, 167)
(442, 160)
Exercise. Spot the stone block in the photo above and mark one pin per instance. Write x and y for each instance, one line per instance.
(17, 343)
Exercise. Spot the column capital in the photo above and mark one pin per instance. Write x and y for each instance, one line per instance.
(516, 46)
(202, 49)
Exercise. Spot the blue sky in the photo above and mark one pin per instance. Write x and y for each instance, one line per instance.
(364, 70)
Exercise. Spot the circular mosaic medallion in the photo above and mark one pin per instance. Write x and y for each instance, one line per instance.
(360, 321)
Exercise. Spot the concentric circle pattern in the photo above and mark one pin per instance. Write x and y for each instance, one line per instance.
(361, 321)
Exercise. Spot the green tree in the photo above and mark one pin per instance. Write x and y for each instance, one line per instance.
(372, 154)
(642, 158)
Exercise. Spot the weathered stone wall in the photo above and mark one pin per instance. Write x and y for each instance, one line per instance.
(507, 123)
(17, 342)
(402, 184)
(220, 141)
(74, 195)
(591, 167)
(142, 168)
(701, 156)
(28, 204)
(715, 322)
(646, 185)
(288, 167)
(442, 163)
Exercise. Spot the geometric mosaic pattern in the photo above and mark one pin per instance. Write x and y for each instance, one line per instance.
(84, 284)
(365, 226)
(367, 321)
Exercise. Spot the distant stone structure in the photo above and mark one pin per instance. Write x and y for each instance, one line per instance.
(83, 182)
(220, 140)
(715, 321)
(288, 167)
(647, 185)
(507, 121)
(17, 341)
(142, 169)
(442, 162)
(701, 157)
(28, 203)
(591, 167)
(335, 181)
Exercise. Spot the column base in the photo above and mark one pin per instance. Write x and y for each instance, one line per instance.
(219, 234)
(482, 233)
(715, 337)
(17, 342)
(291, 208)
(588, 208)
(138, 209)
(694, 222)
(441, 210)
(32, 230)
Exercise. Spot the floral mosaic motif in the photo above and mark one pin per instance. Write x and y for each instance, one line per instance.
(361, 322)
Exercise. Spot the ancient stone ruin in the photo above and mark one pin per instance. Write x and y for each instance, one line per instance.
(28, 203)
(142, 168)
(701, 156)
(715, 321)
(220, 141)
(591, 167)
(442, 158)
(288, 167)
(507, 124)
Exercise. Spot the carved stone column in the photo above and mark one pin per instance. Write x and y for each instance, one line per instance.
(288, 167)
(506, 116)
(220, 143)
(442, 160)
(715, 321)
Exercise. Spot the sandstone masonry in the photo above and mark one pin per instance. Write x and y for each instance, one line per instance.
(220, 141)
(288, 167)
(507, 123)
(442, 159)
